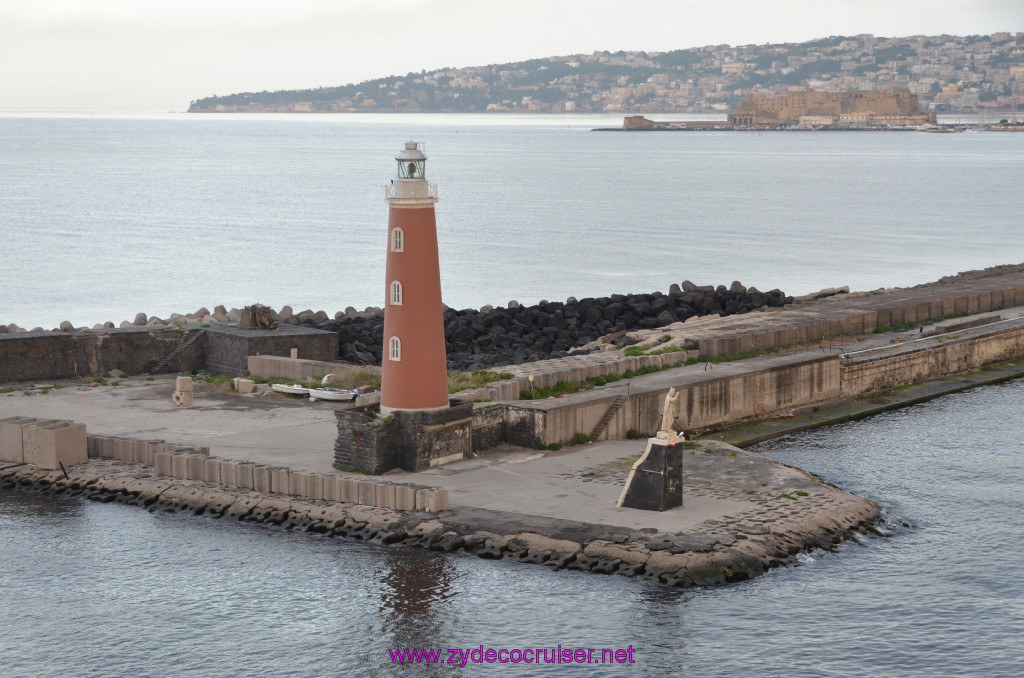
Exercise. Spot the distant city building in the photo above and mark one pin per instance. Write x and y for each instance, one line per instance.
(867, 108)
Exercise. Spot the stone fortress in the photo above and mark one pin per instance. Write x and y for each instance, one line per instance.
(870, 108)
(856, 109)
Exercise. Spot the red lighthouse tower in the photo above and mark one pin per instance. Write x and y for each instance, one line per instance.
(415, 369)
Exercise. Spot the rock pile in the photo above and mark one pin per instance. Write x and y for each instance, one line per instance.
(517, 334)
(202, 316)
(514, 334)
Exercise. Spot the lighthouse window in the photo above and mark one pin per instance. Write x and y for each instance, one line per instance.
(397, 240)
(396, 293)
(395, 349)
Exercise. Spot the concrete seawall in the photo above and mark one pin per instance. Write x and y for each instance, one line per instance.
(706, 398)
(749, 389)
(955, 355)
(862, 314)
(179, 462)
(828, 349)
(224, 349)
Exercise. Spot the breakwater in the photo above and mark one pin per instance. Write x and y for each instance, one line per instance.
(791, 512)
(474, 338)
(519, 334)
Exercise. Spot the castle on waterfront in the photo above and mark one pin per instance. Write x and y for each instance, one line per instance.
(858, 108)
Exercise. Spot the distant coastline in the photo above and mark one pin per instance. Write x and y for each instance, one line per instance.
(950, 74)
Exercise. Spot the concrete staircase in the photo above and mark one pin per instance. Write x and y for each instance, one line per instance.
(190, 338)
(612, 409)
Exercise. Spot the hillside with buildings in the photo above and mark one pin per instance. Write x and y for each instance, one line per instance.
(948, 73)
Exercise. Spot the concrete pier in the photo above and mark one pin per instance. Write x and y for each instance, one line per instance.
(270, 459)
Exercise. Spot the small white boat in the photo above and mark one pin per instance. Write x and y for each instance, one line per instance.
(336, 394)
(294, 389)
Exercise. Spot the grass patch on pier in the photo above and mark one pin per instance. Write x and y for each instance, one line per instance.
(462, 381)
(566, 387)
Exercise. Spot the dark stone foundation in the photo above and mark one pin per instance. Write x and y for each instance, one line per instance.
(412, 440)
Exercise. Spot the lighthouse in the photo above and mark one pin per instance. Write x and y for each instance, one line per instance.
(414, 367)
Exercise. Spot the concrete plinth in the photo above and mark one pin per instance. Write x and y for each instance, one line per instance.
(12, 443)
(50, 445)
(655, 482)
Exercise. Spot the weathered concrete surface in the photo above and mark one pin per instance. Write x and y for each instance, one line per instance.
(266, 430)
(222, 348)
(709, 396)
(939, 355)
(800, 376)
(758, 430)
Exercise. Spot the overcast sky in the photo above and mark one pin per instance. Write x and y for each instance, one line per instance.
(161, 54)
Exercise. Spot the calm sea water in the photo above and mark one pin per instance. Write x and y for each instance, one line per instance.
(107, 590)
(104, 216)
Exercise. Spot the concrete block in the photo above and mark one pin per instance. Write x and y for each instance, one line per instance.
(244, 475)
(390, 496)
(380, 495)
(50, 445)
(12, 441)
(93, 446)
(125, 450)
(297, 483)
(279, 479)
(245, 385)
(196, 466)
(179, 466)
(162, 462)
(227, 472)
(330, 487)
(183, 384)
(261, 478)
(344, 489)
(183, 398)
(960, 305)
(421, 499)
(108, 447)
(149, 455)
(406, 498)
(314, 486)
(211, 471)
(139, 448)
(439, 500)
(367, 492)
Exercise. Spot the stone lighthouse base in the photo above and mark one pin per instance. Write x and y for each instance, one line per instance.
(412, 440)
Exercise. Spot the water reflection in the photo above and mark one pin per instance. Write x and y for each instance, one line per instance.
(414, 598)
(24, 505)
